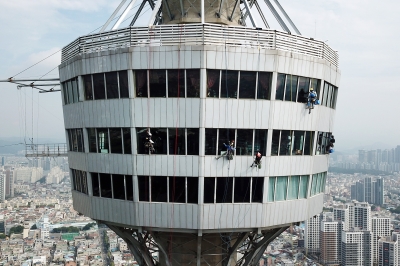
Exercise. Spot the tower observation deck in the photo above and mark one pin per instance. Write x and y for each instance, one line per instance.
(197, 77)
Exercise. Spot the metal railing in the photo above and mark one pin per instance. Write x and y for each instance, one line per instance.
(199, 34)
(46, 150)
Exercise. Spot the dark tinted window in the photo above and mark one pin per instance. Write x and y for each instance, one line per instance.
(264, 85)
(213, 83)
(176, 141)
(144, 188)
(247, 85)
(115, 140)
(159, 188)
(158, 85)
(291, 88)
(260, 141)
(308, 145)
(76, 89)
(224, 190)
(176, 83)
(126, 133)
(275, 142)
(95, 185)
(297, 142)
(209, 188)
(87, 81)
(244, 142)
(193, 83)
(242, 189)
(129, 187)
(64, 92)
(286, 142)
(192, 141)
(257, 189)
(177, 189)
(118, 186)
(229, 83)
(112, 85)
(302, 95)
(211, 141)
(141, 140)
(123, 84)
(193, 189)
(280, 86)
(105, 185)
(98, 86)
(160, 140)
(79, 136)
(92, 139)
(141, 83)
(225, 136)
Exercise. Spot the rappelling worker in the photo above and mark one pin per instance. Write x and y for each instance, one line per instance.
(312, 97)
(149, 143)
(257, 160)
(229, 150)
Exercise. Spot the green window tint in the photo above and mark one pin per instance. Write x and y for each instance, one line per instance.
(303, 187)
(271, 189)
(293, 192)
(281, 188)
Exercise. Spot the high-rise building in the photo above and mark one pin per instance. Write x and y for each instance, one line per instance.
(356, 247)
(362, 156)
(353, 191)
(379, 196)
(330, 242)
(28, 174)
(3, 161)
(179, 81)
(388, 248)
(368, 189)
(2, 186)
(312, 235)
(380, 229)
(360, 196)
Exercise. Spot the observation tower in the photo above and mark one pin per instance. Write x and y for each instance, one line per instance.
(199, 74)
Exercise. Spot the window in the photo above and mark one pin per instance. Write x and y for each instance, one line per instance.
(281, 188)
(280, 86)
(176, 141)
(209, 189)
(224, 190)
(292, 142)
(193, 83)
(192, 189)
(242, 189)
(158, 83)
(244, 142)
(291, 88)
(118, 185)
(112, 85)
(286, 142)
(302, 95)
(70, 91)
(177, 189)
(271, 189)
(126, 133)
(247, 85)
(309, 143)
(92, 139)
(229, 83)
(120, 140)
(303, 186)
(159, 136)
(264, 85)
(129, 187)
(293, 192)
(193, 141)
(211, 141)
(176, 83)
(213, 77)
(225, 136)
(260, 141)
(159, 188)
(95, 184)
(79, 181)
(123, 84)
(116, 140)
(323, 142)
(102, 140)
(257, 189)
(141, 83)
(298, 142)
(75, 138)
(144, 188)
(315, 84)
(105, 185)
(275, 142)
(98, 86)
(87, 81)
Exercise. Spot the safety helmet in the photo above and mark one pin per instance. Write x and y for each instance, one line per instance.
(311, 89)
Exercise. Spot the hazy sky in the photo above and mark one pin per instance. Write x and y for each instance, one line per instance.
(364, 32)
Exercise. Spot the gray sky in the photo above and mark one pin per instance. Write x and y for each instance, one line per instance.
(363, 32)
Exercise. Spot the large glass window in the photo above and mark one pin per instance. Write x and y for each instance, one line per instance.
(70, 92)
(75, 89)
(144, 188)
(193, 141)
(302, 95)
(116, 140)
(141, 83)
(209, 189)
(293, 192)
(247, 85)
(303, 186)
(309, 142)
(315, 84)
(160, 140)
(225, 136)
(193, 83)
(159, 188)
(260, 141)
(176, 141)
(229, 83)
(118, 185)
(176, 83)
(87, 81)
(281, 188)
(271, 188)
(129, 187)
(291, 88)
(112, 85)
(298, 142)
(95, 185)
(193, 189)
(325, 95)
(280, 86)
(242, 189)
(276, 134)
(264, 85)
(102, 140)
(79, 137)
(257, 189)
(126, 133)
(92, 139)
(244, 142)
(224, 190)
(123, 84)
(213, 83)
(286, 142)
(177, 189)
(105, 185)
(158, 83)
(211, 141)
(98, 86)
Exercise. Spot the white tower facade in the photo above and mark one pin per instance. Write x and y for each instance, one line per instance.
(195, 87)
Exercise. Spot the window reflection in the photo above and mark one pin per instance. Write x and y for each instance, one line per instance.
(129, 187)
(309, 142)
(193, 83)
(144, 188)
(302, 95)
(286, 142)
(87, 81)
(229, 83)
(126, 133)
(213, 83)
(244, 142)
(118, 185)
(298, 142)
(92, 139)
(102, 140)
(280, 86)
(291, 88)
(105, 185)
(141, 83)
(264, 85)
(257, 189)
(247, 85)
